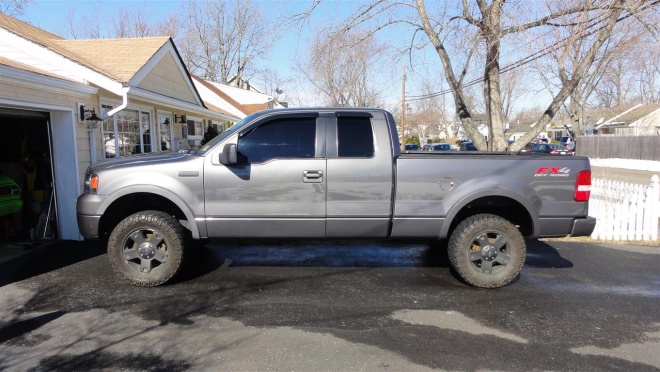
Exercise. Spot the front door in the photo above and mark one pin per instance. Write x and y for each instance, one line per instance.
(278, 187)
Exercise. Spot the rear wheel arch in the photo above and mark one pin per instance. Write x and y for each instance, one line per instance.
(507, 206)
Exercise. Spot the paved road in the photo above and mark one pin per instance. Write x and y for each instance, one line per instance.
(308, 307)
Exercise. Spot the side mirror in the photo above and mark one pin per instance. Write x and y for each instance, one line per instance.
(228, 156)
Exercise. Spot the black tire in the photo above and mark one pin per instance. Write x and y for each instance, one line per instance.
(147, 248)
(487, 251)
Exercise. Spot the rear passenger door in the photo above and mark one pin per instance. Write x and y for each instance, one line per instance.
(360, 176)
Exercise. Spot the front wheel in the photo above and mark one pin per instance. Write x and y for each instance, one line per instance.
(487, 251)
(146, 248)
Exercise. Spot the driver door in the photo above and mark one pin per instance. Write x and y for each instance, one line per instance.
(278, 187)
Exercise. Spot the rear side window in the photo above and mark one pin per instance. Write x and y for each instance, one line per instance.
(284, 138)
(355, 137)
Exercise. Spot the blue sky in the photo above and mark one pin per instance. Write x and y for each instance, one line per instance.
(50, 14)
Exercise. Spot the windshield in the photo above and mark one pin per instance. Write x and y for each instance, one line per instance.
(220, 137)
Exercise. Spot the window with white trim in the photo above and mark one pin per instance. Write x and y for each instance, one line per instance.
(165, 131)
(127, 132)
(195, 128)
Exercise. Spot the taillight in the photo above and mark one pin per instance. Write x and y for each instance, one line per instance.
(583, 186)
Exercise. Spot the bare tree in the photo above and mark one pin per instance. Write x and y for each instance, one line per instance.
(611, 80)
(14, 8)
(494, 23)
(224, 38)
(134, 22)
(273, 83)
(340, 67)
(83, 25)
(427, 117)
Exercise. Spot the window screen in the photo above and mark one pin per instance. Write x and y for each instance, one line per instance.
(286, 138)
(355, 137)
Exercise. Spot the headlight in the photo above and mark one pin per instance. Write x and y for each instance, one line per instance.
(91, 183)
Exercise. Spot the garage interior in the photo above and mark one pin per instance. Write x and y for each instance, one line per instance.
(25, 161)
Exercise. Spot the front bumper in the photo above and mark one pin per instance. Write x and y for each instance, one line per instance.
(89, 226)
(583, 226)
(88, 208)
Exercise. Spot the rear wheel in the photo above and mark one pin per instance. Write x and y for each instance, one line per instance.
(487, 251)
(146, 248)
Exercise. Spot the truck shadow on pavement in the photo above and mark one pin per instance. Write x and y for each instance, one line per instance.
(211, 255)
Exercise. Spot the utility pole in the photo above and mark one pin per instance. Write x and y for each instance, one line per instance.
(403, 111)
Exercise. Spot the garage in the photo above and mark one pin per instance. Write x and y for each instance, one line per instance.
(25, 162)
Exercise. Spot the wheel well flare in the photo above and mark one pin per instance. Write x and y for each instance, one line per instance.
(502, 206)
(133, 203)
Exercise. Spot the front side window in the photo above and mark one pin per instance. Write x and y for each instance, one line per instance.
(355, 137)
(284, 138)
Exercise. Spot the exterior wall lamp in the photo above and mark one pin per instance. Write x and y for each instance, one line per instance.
(181, 119)
(89, 117)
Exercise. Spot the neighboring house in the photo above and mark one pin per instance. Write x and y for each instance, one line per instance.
(239, 82)
(648, 125)
(616, 120)
(512, 134)
(238, 101)
(49, 85)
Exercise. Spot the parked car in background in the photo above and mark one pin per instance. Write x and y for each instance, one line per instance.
(440, 146)
(528, 147)
(412, 147)
(552, 148)
(467, 146)
(567, 141)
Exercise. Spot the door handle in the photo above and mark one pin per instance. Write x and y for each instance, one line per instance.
(313, 176)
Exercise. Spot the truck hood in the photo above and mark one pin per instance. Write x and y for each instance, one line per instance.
(139, 160)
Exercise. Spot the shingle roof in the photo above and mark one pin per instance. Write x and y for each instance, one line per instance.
(119, 59)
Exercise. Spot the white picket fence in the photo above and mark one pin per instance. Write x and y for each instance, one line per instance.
(625, 211)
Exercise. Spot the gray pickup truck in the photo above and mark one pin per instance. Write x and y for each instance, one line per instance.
(331, 174)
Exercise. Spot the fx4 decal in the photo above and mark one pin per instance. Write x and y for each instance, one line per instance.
(553, 172)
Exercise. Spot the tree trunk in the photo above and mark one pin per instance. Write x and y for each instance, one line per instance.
(491, 32)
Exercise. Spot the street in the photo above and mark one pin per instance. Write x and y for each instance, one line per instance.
(333, 307)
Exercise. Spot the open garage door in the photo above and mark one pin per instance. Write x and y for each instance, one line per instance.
(25, 163)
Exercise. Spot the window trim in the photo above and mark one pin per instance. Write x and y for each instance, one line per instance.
(140, 109)
(195, 136)
(169, 115)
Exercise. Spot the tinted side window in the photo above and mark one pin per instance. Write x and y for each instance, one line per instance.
(355, 137)
(285, 138)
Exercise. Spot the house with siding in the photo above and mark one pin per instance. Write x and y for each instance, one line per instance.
(50, 87)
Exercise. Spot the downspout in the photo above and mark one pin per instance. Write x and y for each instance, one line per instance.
(124, 103)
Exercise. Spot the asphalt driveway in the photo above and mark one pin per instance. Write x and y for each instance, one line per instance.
(330, 307)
